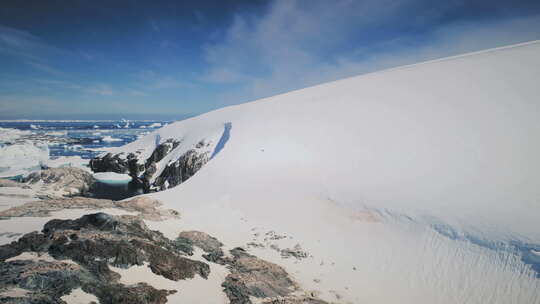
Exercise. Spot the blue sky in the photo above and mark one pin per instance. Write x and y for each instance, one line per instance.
(152, 59)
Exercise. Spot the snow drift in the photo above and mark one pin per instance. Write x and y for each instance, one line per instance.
(418, 184)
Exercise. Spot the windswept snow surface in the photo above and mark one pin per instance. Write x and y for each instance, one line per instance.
(419, 184)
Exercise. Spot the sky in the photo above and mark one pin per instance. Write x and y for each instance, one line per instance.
(79, 59)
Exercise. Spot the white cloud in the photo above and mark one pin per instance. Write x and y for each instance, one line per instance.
(28, 48)
(299, 43)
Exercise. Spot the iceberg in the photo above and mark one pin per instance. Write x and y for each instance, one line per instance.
(8, 135)
(21, 159)
(108, 138)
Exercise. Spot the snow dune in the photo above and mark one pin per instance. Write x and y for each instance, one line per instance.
(409, 185)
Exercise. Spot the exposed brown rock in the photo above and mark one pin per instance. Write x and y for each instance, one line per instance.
(146, 207)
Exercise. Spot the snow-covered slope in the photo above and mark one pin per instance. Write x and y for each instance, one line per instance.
(419, 184)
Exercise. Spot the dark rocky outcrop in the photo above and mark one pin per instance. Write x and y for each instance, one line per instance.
(47, 281)
(209, 244)
(94, 242)
(110, 163)
(250, 276)
(185, 167)
(80, 252)
(143, 171)
(161, 151)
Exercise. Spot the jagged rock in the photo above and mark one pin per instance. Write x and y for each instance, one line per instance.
(66, 181)
(207, 243)
(93, 242)
(109, 163)
(161, 151)
(203, 240)
(134, 167)
(296, 252)
(180, 170)
(146, 207)
(251, 276)
(143, 171)
(84, 248)
(46, 282)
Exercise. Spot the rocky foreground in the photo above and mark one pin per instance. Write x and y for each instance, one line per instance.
(82, 253)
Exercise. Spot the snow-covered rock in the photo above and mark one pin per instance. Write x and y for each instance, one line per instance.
(59, 182)
(158, 164)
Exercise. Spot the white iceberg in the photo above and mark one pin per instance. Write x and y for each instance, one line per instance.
(108, 138)
(67, 161)
(21, 159)
(9, 135)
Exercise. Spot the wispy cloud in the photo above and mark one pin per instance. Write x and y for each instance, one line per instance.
(101, 89)
(29, 49)
(297, 44)
(45, 68)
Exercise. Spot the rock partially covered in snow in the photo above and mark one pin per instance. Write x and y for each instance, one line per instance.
(85, 248)
(109, 163)
(167, 164)
(58, 182)
(180, 170)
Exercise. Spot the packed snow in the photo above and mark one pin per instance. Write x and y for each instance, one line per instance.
(418, 184)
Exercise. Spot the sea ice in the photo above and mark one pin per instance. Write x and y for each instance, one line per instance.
(108, 138)
(112, 178)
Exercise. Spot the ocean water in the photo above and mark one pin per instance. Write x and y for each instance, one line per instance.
(28, 145)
